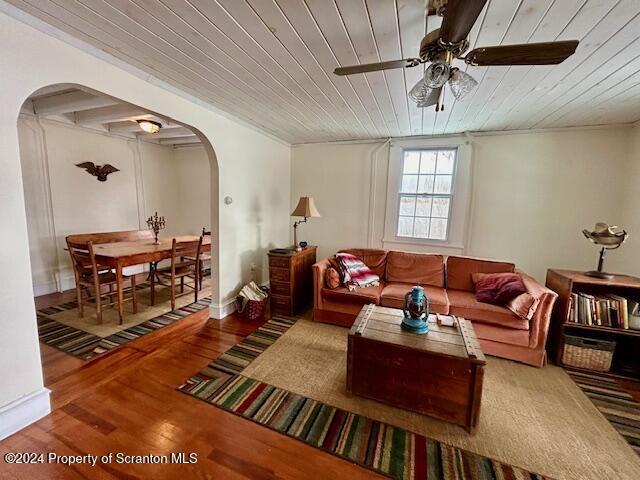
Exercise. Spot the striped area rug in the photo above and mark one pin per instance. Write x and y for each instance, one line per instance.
(614, 402)
(87, 346)
(381, 447)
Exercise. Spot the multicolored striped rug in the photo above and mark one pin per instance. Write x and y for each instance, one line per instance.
(614, 402)
(381, 447)
(88, 346)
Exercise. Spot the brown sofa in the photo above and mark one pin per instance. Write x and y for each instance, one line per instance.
(447, 281)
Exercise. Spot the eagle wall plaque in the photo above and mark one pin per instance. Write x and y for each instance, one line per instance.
(99, 171)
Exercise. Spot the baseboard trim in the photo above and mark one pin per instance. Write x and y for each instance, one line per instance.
(44, 288)
(66, 283)
(24, 411)
(219, 311)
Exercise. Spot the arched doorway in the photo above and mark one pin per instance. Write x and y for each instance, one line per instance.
(64, 125)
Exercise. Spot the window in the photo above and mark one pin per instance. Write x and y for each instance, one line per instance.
(426, 193)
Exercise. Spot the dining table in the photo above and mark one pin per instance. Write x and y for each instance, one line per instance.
(118, 255)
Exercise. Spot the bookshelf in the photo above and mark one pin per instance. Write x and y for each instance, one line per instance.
(626, 360)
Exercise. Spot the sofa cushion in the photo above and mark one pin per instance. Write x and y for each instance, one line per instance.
(460, 269)
(416, 268)
(374, 258)
(506, 336)
(393, 296)
(359, 295)
(464, 304)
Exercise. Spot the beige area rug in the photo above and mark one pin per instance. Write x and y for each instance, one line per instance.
(110, 323)
(537, 419)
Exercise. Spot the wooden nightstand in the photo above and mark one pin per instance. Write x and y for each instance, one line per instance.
(291, 280)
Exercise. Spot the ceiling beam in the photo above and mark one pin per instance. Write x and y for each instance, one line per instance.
(167, 133)
(110, 114)
(70, 102)
(179, 140)
(187, 145)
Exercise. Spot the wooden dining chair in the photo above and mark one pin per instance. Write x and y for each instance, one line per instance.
(202, 259)
(90, 275)
(184, 264)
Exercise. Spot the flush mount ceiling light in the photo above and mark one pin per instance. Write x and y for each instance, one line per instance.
(149, 126)
(449, 42)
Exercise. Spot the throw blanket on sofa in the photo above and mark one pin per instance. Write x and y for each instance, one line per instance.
(355, 274)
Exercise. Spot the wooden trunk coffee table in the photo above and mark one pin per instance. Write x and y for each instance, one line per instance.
(438, 374)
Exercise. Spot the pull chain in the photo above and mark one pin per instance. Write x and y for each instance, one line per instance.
(439, 105)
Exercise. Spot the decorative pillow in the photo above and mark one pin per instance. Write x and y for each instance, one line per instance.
(498, 288)
(524, 305)
(355, 273)
(335, 264)
(331, 278)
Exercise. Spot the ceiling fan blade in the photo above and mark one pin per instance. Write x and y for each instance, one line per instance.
(372, 67)
(545, 53)
(459, 17)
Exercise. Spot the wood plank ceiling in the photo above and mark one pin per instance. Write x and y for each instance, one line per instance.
(270, 62)
(88, 109)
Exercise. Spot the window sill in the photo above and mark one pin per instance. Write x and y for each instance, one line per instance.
(423, 243)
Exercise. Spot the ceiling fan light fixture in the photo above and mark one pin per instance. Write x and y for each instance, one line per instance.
(149, 126)
(461, 83)
(420, 93)
(437, 74)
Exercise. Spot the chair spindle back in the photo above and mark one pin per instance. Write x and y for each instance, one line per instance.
(188, 248)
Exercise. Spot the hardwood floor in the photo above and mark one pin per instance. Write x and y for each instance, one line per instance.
(127, 402)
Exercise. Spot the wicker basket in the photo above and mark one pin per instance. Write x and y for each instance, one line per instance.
(253, 309)
(588, 353)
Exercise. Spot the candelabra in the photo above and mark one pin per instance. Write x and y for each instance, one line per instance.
(156, 224)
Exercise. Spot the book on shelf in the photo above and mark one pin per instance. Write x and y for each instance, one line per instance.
(602, 310)
(623, 309)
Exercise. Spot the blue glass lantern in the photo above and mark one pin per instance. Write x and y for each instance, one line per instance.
(416, 311)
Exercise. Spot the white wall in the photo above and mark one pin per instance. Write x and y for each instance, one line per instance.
(192, 173)
(250, 166)
(67, 200)
(161, 187)
(626, 258)
(177, 184)
(532, 193)
(338, 177)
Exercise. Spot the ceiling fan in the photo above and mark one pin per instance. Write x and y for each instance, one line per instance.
(441, 46)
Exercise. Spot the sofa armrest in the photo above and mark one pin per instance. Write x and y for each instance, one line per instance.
(539, 325)
(319, 270)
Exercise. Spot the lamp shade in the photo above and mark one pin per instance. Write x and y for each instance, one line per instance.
(306, 208)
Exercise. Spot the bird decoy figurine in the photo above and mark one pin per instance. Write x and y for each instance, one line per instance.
(99, 171)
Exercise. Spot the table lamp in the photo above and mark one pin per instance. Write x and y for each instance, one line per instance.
(306, 208)
(608, 238)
